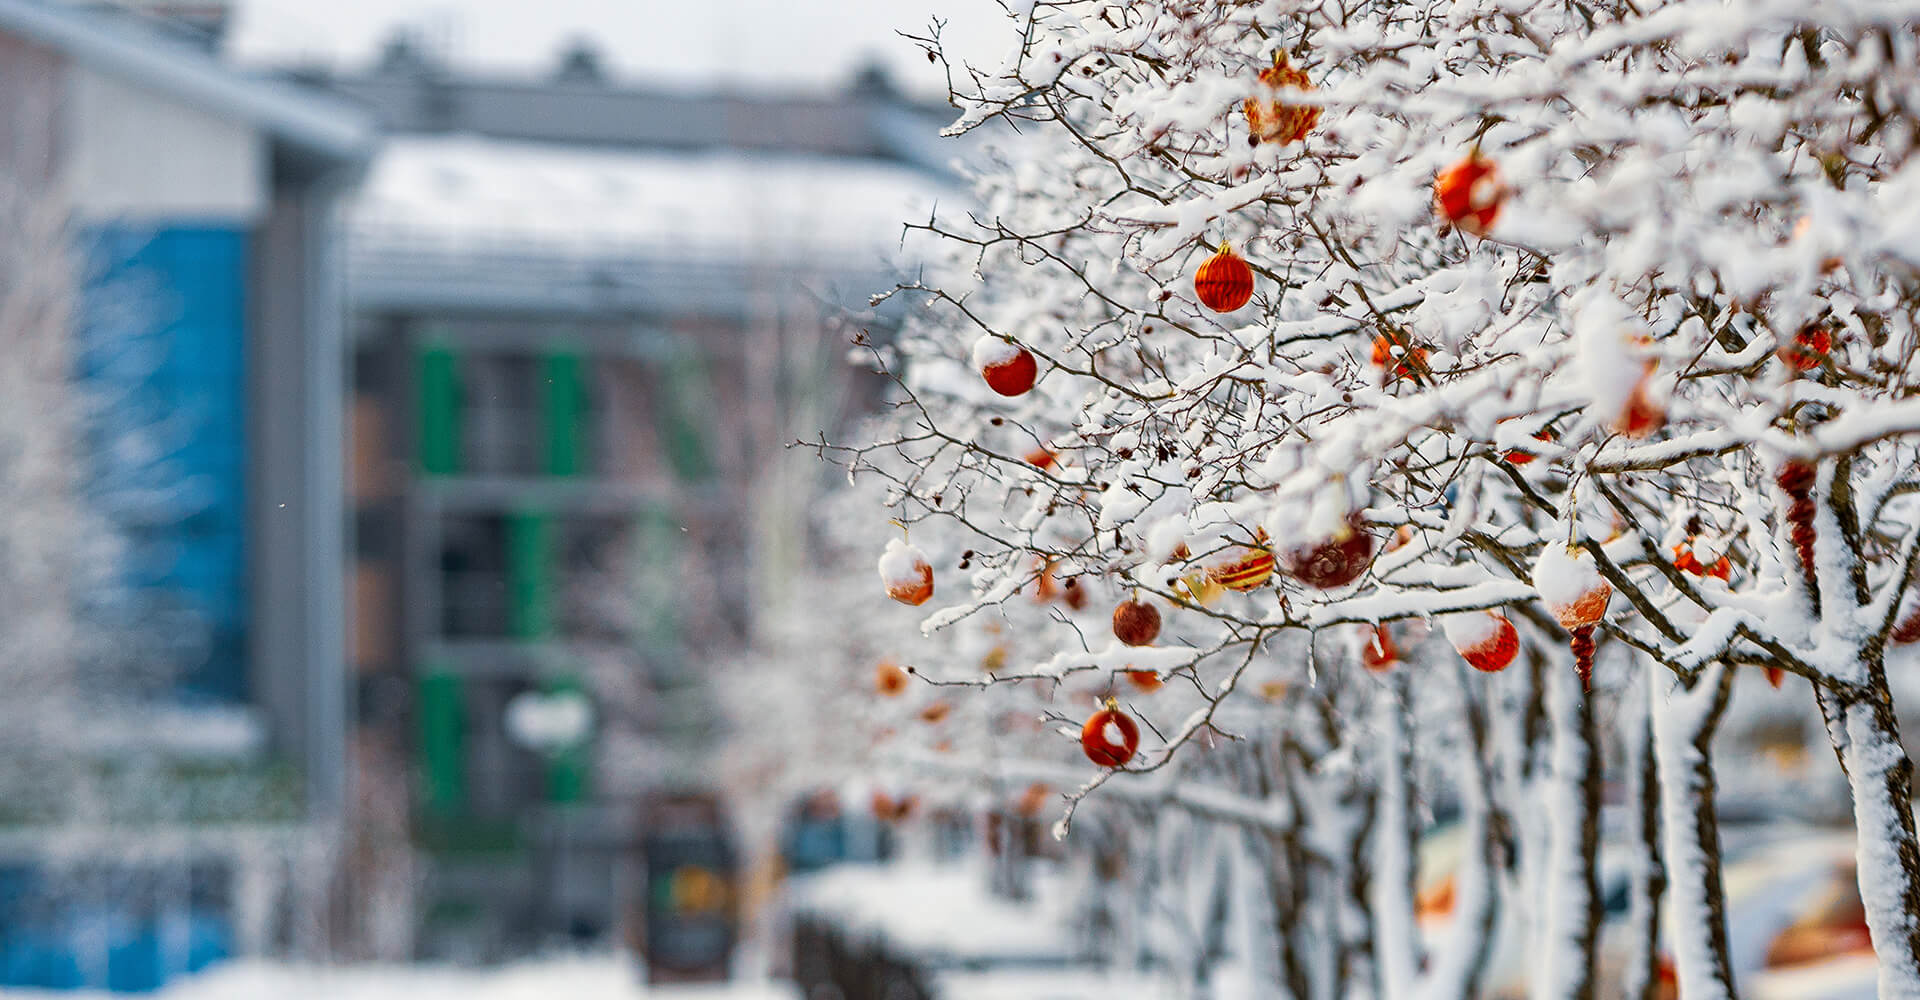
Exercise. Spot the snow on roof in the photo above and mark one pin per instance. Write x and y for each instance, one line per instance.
(470, 193)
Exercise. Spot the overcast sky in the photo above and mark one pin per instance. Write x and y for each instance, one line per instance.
(760, 42)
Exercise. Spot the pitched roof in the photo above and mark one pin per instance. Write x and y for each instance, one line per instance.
(310, 124)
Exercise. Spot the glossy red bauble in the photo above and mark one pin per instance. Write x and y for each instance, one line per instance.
(1224, 282)
(1486, 640)
(1008, 368)
(1809, 349)
(1110, 737)
(1469, 194)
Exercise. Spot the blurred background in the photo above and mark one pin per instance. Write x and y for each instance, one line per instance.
(404, 388)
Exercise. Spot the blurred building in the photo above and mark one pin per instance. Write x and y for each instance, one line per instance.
(588, 319)
(209, 342)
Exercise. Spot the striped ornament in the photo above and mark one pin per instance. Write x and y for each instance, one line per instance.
(1243, 572)
(1224, 282)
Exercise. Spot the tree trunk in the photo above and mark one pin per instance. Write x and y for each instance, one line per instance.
(1396, 938)
(1684, 721)
(1880, 776)
(1570, 912)
(1640, 978)
(1459, 965)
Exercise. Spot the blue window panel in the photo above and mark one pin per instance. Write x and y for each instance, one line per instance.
(163, 358)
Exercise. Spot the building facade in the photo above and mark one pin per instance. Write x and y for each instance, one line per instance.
(588, 320)
(207, 345)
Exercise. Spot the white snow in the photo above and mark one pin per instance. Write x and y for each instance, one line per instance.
(902, 564)
(1564, 576)
(991, 350)
(468, 192)
(941, 912)
(1467, 629)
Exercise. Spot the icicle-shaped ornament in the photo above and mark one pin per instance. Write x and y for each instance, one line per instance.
(1570, 585)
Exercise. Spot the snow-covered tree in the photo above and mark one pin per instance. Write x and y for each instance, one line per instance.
(56, 551)
(1569, 326)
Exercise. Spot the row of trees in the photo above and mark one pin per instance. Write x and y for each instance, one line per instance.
(1654, 344)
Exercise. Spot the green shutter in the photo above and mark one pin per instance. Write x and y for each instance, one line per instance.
(563, 394)
(530, 575)
(439, 412)
(443, 725)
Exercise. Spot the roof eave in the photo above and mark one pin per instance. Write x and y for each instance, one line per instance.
(312, 125)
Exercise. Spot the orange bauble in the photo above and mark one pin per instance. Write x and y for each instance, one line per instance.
(1395, 360)
(906, 574)
(1145, 681)
(1224, 282)
(1469, 194)
(1136, 622)
(1272, 120)
(1042, 458)
(1008, 368)
(889, 679)
(1110, 737)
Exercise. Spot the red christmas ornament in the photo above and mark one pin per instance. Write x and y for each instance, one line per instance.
(1643, 414)
(1485, 639)
(1685, 561)
(1008, 368)
(1110, 737)
(1145, 681)
(1333, 562)
(1796, 479)
(1376, 648)
(1469, 194)
(1136, 622)
(1809, 349)
(1224, 282)
(1272, 120)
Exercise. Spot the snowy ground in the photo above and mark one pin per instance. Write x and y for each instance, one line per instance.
(593, 978)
